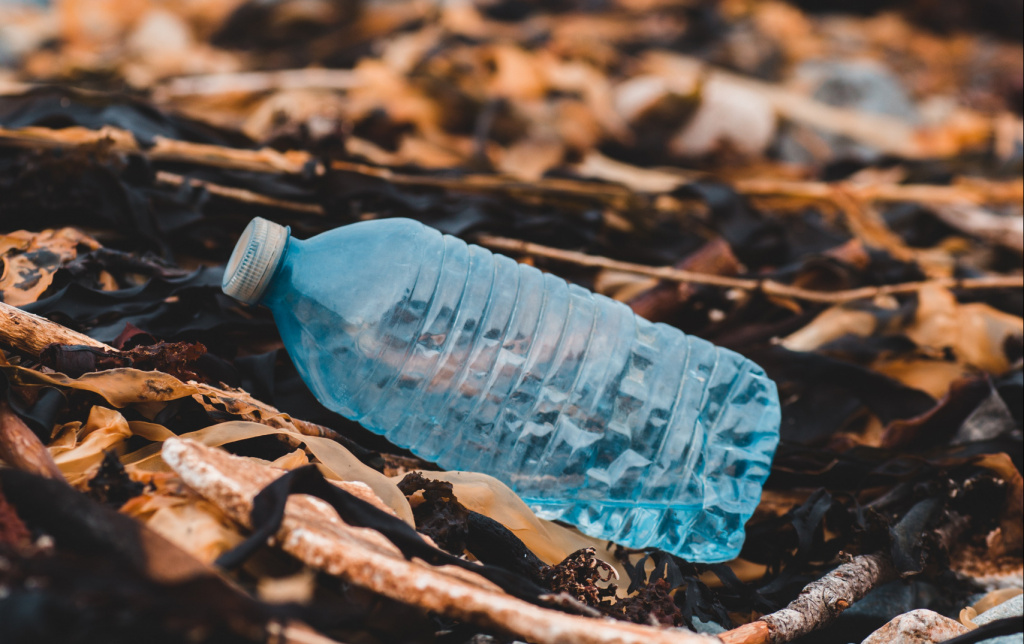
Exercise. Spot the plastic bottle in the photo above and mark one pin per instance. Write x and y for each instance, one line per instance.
(630, 430)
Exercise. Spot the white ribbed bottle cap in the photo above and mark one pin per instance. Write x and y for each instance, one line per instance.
(254, 260)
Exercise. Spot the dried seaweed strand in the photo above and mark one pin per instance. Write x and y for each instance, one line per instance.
(818, 605)
(29, 333)
(769, 287)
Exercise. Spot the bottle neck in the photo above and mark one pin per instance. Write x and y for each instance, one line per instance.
(277, 281)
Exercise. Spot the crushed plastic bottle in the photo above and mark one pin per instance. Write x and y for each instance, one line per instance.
(630, 430)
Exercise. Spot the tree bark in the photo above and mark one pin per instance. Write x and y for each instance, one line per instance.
(30, 333)
(819, 604)
(21, 448)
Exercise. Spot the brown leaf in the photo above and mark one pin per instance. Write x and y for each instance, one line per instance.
(29, 260)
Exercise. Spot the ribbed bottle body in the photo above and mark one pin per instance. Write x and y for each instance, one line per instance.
(632, 431)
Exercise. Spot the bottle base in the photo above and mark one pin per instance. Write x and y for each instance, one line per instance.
(693, 533)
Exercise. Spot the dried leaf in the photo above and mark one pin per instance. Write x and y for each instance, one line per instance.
(29, 261)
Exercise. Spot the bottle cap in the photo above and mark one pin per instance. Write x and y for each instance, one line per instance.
(254, 260)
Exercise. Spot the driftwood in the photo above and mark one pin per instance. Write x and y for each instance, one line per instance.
(818, 605)
(21, 448)
(30, 333)
(313, 533)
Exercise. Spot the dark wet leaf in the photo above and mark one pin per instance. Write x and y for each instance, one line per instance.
(111, 485)
(494, 544)
(268, 512)
(439, 515)
(940, 423)
(189, 307)
(820, 393)
(61, 107)
(909, 536)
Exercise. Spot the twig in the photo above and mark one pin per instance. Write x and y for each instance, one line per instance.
(769, 287)
(21, 448)
(364, 559)
(974, 192)
(238, 194)
(818, 605)
(262, 160)
(70, 137)
(30, 333)
(255, 82)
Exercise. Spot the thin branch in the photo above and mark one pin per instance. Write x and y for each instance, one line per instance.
(238, 194)
(256, 82)
(262, 160)
(30, 333)
(769, 287)
(973, 192)
(818, 605)
(21, 448)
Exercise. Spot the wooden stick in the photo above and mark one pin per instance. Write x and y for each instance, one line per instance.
(767, 286)
(30, 333)
(819, 604)
(262, 160)
(980, 192)
(255, 82)
(21, 448)
(238, 194)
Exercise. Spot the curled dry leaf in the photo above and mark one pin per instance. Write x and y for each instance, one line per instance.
(550, 541)
(339, 462)
(184, 518)
(149, 389)
(79, 448)
(975, 333)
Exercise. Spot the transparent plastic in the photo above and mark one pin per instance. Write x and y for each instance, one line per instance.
(632, 431)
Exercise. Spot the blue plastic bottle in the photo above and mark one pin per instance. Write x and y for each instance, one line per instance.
(632, 431)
